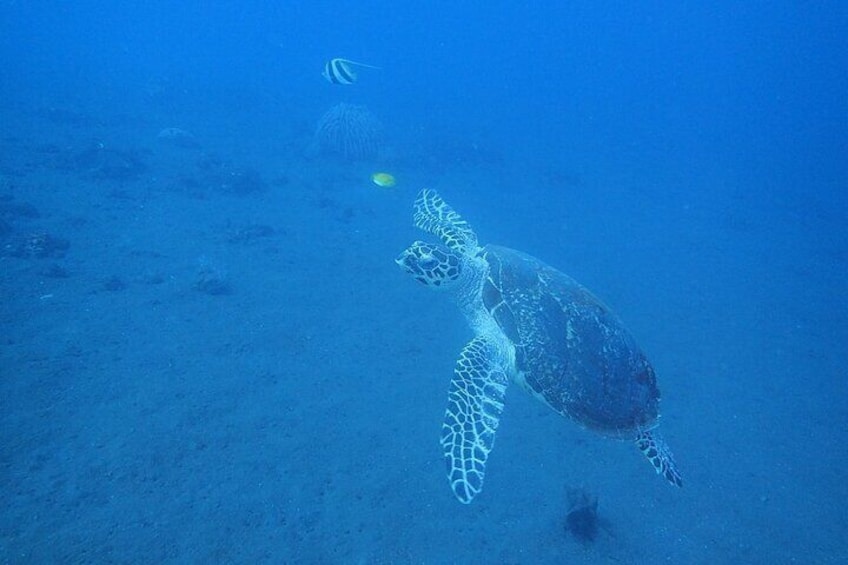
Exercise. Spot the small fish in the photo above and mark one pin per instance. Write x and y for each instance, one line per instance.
(340, 71)
(383, 180)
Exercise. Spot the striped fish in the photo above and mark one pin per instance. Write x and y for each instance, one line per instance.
(340, 71)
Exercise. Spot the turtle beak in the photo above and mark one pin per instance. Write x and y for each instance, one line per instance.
(401, 260)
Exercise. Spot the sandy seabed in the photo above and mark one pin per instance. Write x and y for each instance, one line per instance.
(292, 414)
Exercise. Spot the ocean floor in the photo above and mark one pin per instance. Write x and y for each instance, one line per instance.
(208, 355)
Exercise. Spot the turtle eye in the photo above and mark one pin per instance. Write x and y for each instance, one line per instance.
(428, 262)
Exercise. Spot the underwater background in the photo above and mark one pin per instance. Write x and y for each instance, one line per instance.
(209, 355)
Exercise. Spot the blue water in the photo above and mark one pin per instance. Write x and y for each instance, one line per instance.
(208, 354)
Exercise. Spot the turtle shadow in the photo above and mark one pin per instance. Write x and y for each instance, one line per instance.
(582, 521)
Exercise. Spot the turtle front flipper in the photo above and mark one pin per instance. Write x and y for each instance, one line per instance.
(658, 453)
(434, 215)
(475, 403)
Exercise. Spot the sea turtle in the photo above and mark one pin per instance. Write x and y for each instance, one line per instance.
(539, 328)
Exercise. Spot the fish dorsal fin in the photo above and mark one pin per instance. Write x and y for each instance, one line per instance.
(358, 64)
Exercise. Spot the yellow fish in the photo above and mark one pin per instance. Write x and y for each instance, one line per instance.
(383, 180)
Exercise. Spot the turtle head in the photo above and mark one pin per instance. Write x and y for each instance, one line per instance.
(433, 265)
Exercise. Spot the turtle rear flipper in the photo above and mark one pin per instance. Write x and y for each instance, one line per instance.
(475, 403)
(658, 453)
(434, 215)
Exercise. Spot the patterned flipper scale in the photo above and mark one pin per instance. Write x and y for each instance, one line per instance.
(475, 403)
(434, 215)
(657, 452)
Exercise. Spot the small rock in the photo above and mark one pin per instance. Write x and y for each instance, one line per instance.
(114, 284)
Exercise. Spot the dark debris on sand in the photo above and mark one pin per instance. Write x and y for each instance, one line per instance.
(582, 520)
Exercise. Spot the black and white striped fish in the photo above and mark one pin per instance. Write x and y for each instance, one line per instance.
(340, 71)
